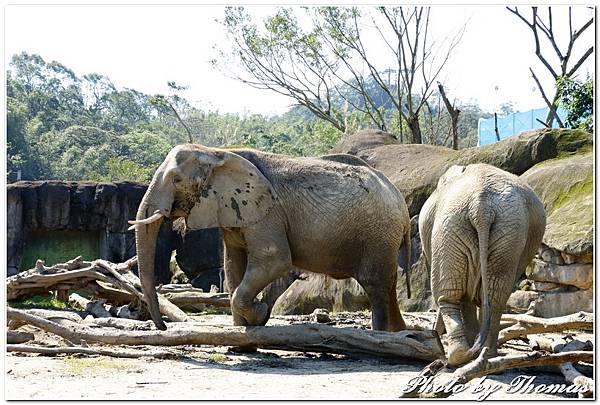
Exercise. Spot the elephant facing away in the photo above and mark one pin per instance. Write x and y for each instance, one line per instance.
(317, 214)
(479, 230)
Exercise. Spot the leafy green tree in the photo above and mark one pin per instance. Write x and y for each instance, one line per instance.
(318, 66)
(121, 169)
(566, 62)
(578, 99)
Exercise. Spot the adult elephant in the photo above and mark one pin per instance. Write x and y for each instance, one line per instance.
(276, 211)
(479, 230)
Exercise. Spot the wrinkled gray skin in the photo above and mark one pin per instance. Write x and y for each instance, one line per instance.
(479, 230)
(276, 211)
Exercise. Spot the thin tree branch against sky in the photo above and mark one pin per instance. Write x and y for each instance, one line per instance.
(146, 46)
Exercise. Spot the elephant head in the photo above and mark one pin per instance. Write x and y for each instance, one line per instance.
(206, 187)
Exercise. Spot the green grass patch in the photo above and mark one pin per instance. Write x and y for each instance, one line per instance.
(40, 301)
(217, 358)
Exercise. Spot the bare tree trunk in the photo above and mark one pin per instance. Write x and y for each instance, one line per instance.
(553, 113)
(496, 127)
(454, 113)
(415, 130)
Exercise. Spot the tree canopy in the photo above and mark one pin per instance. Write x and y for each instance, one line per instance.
(65, 126)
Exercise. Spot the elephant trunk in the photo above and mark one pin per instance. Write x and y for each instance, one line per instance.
(146, 234)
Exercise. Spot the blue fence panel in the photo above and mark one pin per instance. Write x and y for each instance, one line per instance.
(513, 124)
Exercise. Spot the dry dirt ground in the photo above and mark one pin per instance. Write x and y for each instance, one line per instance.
(214, 373)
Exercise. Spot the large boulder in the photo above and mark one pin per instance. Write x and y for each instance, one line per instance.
(579, 275)
(558, 165)
(565, 186)
(363, 140)
(320, 291)
(562, 276)
(415, 169)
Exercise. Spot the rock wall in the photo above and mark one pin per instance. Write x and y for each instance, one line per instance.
(560, 279)
(415, 169)
(104, 208)
(558, 165)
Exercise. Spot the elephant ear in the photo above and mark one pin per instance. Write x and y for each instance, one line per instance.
(236, 194)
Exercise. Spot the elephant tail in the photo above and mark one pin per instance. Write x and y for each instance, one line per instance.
(408, 249)
(483, 233)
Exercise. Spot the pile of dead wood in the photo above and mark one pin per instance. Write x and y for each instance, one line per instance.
(114, 287)
(572, 355)
(117, 320)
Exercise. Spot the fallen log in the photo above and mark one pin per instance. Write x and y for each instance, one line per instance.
(53, 351)
(51, 314)
(17, 336)
(120, 323)
(483, 366)
(573, 376)
(165, 288)
(528, 325)
(415, 345)
(171, 311)
(568, 370)
(105, 291)
(187, 298)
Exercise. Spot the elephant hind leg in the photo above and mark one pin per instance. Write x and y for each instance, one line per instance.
(396, 322)
(449, 264)
(458, 345)
(381, 291)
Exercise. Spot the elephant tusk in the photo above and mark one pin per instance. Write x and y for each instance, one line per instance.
(155, 217)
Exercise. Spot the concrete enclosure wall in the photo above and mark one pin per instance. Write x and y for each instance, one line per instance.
(57, 220)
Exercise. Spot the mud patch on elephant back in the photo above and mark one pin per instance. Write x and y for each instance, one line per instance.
(236, 208)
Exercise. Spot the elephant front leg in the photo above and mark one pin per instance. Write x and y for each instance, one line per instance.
(235, 267)
(269, 258)
(243, 300)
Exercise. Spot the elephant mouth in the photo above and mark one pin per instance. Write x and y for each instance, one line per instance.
(181, 209)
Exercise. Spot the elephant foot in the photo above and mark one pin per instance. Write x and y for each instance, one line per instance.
(257, 315)
(260, 314)
(458, 352)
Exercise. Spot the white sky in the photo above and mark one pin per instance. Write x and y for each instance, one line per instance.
(144, 46)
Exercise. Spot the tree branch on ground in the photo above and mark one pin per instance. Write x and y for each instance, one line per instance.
(528, 325)
(418, 345)
(71, 276)
(483, 366)
(93, 351)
